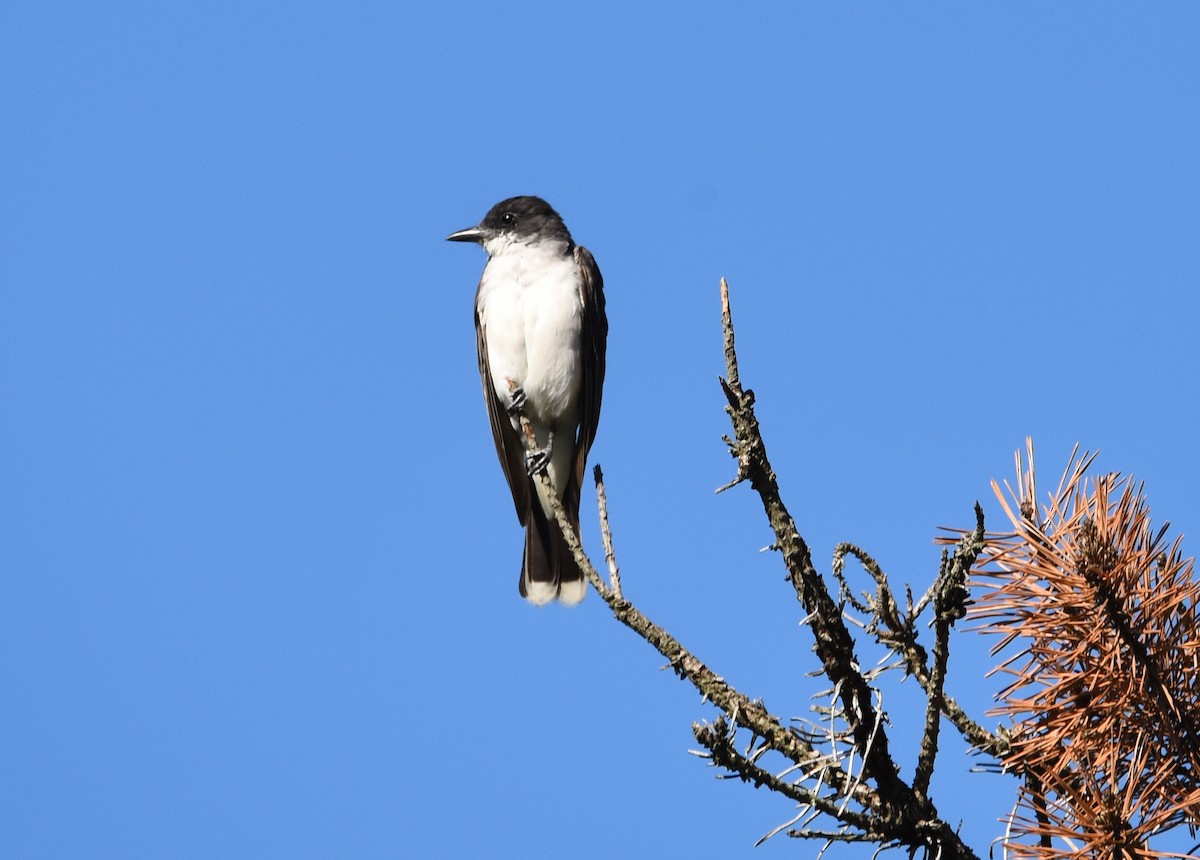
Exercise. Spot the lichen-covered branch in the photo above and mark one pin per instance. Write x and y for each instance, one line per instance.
(718, 739)
(905, 815)
(1105, 700)
(742, 711)
(897, 631)
(839, 768)
(832, 640)
(949, 605)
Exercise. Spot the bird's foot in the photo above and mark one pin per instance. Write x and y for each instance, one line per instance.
(537, 461)
(518, 401)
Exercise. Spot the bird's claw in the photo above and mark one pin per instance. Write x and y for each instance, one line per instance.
(537, 461)
(518, 402)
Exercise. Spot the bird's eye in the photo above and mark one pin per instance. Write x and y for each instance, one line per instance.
(508, 219)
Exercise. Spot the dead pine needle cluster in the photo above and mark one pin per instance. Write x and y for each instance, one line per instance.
(1101, 614)
(1102, 714)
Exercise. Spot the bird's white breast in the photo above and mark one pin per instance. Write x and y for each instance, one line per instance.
(529, 306)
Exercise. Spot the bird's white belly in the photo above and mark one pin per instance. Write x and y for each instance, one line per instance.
(532, 322)
(532, 334)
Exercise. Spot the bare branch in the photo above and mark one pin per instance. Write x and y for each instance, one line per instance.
(741, 709)
(949, 605)
(610, 555)
(905, 815)
(833, 642)
(717, 738)
(841, 767)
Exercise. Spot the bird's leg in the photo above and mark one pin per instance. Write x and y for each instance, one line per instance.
(537, 460)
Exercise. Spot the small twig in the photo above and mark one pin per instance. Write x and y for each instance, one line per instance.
(1037, 799)
(897, 632)
(884, 607)
(610, 555)
(841, 836)
(731, 363)
(717, 739)
(949, 605)
(812, 814)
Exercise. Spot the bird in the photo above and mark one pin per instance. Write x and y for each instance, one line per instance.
(541, 333)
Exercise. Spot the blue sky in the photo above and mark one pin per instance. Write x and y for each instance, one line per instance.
(258, 567)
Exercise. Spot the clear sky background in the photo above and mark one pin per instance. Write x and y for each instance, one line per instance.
(258, 563)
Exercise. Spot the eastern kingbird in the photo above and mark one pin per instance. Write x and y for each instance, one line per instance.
(540, 330)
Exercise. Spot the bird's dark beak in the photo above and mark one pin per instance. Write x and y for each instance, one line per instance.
(471, 234)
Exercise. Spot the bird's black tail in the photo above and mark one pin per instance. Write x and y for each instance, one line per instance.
(548, 570)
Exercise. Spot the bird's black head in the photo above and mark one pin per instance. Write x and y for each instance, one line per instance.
(517, 220)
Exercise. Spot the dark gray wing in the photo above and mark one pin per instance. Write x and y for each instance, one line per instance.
(509, 448)
(595, 339)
